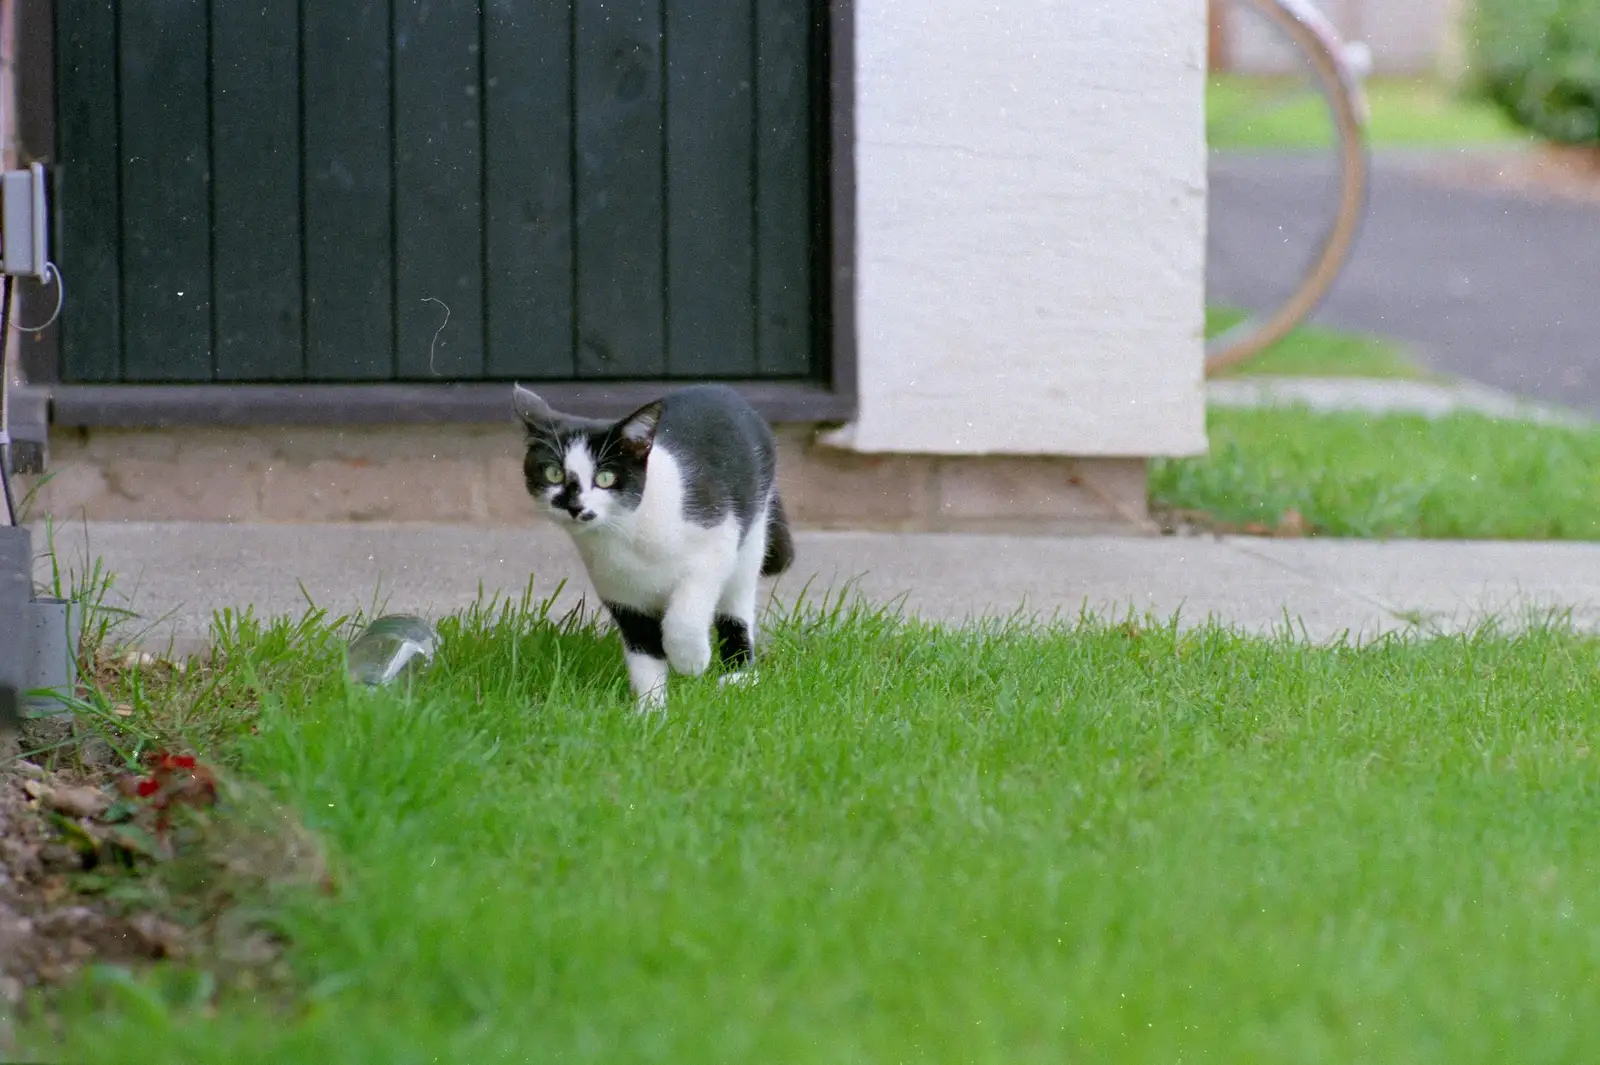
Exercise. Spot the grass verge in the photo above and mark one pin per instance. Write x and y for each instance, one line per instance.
(1245, 112)
(1316, 351)
(1110, 842)
(1464, 476)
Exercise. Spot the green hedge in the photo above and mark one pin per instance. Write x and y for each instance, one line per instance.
(1540, 61)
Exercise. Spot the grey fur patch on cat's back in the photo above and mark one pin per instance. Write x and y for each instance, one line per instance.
(726, 451)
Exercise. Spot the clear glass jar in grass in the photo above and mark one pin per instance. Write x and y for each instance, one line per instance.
(391, 646)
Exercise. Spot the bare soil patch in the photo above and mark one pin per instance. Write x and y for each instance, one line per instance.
(105, 865)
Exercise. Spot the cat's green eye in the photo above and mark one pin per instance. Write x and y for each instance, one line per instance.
(605, 479)
(554, 475)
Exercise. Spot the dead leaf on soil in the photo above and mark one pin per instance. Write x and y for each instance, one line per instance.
(162, 938)
(74, 801)
(54, 889)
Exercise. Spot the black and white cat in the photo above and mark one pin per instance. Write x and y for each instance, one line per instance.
(676, 513)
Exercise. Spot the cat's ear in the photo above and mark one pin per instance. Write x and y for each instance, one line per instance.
(639, 428)
(531, 407)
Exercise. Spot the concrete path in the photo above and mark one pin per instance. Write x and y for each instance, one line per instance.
(1488, 284)
(177, 575)
(1430, 399)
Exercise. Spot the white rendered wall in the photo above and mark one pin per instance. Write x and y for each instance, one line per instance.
(1031, 180)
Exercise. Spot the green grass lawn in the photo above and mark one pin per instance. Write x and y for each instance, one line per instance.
(1099, 842)
(1245, 112)
(1319, 352)
(1462, 476)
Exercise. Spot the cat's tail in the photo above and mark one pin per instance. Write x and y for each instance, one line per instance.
(780, 545)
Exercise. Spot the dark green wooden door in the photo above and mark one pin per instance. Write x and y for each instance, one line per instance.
(593, 189)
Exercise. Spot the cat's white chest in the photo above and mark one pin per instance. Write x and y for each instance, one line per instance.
(636, 566)
(641, 557)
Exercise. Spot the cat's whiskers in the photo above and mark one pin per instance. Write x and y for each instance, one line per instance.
(549, 438)
(606, 451)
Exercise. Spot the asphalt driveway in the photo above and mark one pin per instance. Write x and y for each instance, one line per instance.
(1493, 285)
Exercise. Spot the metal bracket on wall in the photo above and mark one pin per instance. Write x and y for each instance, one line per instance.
(28, 415)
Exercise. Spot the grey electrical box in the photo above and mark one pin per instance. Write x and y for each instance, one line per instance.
(27, 228)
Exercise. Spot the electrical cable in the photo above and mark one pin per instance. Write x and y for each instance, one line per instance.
(5, 437)
(50, 274)
(5, 304)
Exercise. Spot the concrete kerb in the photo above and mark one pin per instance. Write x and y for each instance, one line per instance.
(181, 574)
(1431, 399)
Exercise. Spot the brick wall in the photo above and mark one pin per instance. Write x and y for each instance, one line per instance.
(473, 474)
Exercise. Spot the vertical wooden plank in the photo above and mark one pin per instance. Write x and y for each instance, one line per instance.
(166, 208)
(710, 173)
(528, 188)
(617, 83)
(34, 100)
(87, 187)
(87, 198)
(784, 221)
(255, 174)
(438, 190)
(349, 193)
(833, 314)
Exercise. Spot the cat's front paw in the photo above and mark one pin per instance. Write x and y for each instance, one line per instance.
(653, 701)
(742, 678)
(689, 653)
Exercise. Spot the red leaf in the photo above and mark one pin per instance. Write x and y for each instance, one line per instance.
(148, 788)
